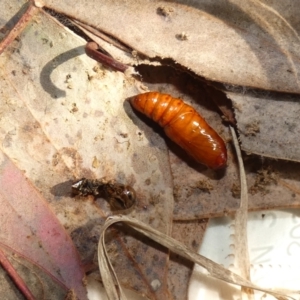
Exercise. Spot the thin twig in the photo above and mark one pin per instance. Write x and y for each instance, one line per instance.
(101, 35)
(91, 49)
(19, 26)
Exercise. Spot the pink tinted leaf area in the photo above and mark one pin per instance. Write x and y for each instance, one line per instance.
(29, 227)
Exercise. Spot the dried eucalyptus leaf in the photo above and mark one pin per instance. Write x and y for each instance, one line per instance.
(62, 118)
(244, 43)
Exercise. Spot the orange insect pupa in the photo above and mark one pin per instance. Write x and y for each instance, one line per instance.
(184, 126)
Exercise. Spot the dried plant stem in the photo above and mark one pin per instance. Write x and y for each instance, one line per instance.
(19, 27)
(87, 28)
(17, 279)
(241, 220)
(91, 49)
(109, 276)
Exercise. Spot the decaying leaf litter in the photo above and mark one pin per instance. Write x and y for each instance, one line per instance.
(55, 144)
(202, 184)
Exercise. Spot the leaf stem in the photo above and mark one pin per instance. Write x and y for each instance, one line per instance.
(19, 26)
(91, 49)
(17, 279)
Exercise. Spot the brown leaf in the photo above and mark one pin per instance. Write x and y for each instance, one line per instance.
(271, 185)
(268, 123)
